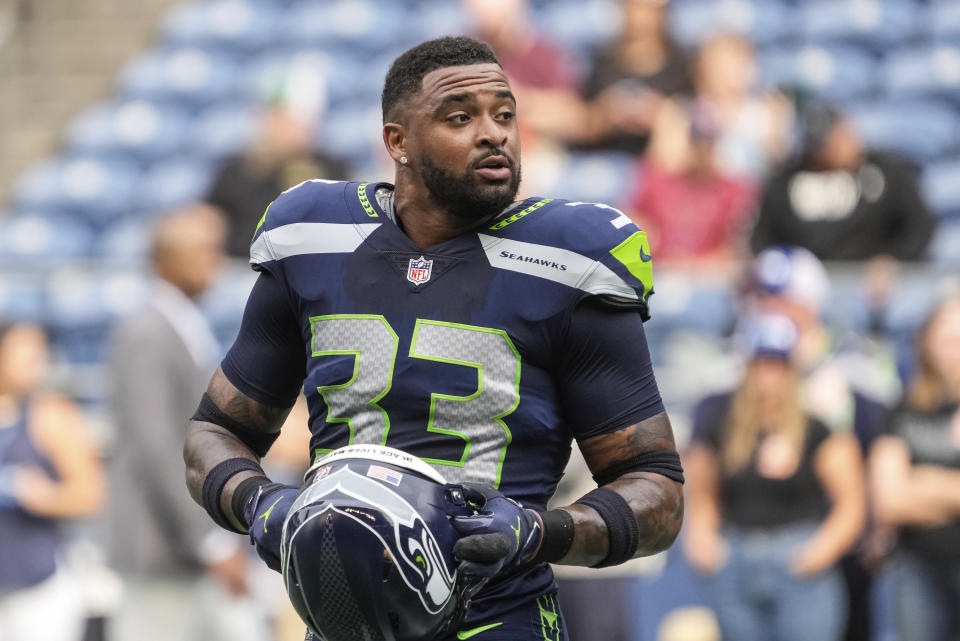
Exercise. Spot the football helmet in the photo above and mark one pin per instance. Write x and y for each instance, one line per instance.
(367, 548)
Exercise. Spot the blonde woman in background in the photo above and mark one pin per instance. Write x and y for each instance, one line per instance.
(915, 484)
(49, 472)
(775, 499)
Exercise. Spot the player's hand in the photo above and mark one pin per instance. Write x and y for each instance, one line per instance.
(265, 512)
(500, 536)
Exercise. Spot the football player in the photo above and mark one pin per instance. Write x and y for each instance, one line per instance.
(440, 317)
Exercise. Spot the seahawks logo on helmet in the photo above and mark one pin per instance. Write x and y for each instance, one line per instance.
(414, 549)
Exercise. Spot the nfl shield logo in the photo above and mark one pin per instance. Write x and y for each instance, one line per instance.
(419, 270)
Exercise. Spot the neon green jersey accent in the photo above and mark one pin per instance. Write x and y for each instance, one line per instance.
(266, 515)
(549, 618)
(516, 530)
(466, 634)
(263, 219)
(634, 253)
(364, 201)
(520, 214)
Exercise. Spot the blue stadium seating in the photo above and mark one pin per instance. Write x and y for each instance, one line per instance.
(927, 70)
(837, 73)
(942, 20)
(222, 130)
(84, 304)
(335, 69)
(23, 294)
(352, 132)
(124, 243)
(99, 188)
(876, 24)
(172, 183)
(945, 248)
(142, 128)
(358, 24)
(577, 25)
(923, 130)
(242, 25)
(762, 21)
(43, 238)
(195, 76)
(941, 187)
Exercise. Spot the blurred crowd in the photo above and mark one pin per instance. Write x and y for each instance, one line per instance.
(823, 462)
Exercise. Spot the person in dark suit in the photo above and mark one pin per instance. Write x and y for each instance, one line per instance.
(182, 580)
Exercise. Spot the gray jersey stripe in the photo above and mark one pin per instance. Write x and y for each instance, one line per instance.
(309, 238)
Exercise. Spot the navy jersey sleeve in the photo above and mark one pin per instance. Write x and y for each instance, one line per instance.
(267, 361)
(606, 379)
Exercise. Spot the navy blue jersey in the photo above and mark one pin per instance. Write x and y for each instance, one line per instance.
(464, 354)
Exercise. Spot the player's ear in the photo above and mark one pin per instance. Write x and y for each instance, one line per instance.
(395, 140)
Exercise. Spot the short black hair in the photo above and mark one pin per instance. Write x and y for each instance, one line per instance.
(405, 76)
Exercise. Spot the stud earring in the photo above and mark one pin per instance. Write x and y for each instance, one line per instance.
(403, 160)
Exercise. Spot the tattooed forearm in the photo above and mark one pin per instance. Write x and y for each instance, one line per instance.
(656, 501)
(208, 444)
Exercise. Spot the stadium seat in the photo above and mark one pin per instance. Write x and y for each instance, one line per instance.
(432, 20)
(99, 188)
(195, 76)
(84, 305)
(331, 74)
(223, 304)
(932, 71)
(762, 21)
(595, 177)
(943, 20)
(145, 129)
(922, 130)
(945, 247)
(40, 238)
(941, 187)
(878, 24)
(352, 131)
(836, 73)
(222, 130)
(355, 23)
(23, 296)
(243, 25)
(124, 243)
(578, 25)
(172, 183)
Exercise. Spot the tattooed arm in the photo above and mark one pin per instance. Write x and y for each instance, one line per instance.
(656, 501)
(208, 444)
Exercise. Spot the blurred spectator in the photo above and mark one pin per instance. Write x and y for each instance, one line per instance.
(775, 499)
(281, 157)
(542, 74)
(48, 472)
(182, 579)
(841, 201)
(915, 484)
(848, 380)
(694, 213)
(752, 126)
(629, 78)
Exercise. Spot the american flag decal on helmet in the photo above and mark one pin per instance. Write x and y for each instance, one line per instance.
(384, 474)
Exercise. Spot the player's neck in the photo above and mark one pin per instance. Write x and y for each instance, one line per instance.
(426, 223)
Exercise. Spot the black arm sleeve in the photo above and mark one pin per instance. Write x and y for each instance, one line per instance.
(267, 361)
(605, 376)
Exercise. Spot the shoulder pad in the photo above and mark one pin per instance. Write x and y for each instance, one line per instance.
(603, 249)
(309, 218)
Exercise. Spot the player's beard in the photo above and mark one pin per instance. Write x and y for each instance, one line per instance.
(467, 196)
